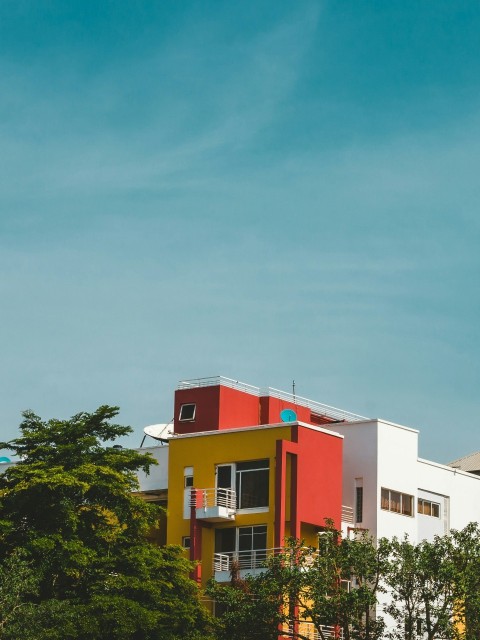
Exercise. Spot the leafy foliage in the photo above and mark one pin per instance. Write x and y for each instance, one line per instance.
(68, 508)
(434, 587)
(307, 584)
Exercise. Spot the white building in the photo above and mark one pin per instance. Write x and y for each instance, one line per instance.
(394, 492)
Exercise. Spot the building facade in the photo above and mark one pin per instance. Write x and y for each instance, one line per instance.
(246, 468)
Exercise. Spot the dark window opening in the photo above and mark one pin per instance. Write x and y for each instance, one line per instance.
(187, 412)
(252, 484)
(359, 505)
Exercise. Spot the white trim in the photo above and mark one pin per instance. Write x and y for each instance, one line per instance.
(446, 467)
(222, 432)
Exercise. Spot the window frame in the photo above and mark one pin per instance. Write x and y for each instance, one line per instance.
(187, 404)
(400, 501)
(359, 504)
(236, 481)
(432, 504)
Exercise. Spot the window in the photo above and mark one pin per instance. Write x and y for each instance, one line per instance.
(186, 542)
(397, 502)
(246, 545)
(187, 412)
(428, 508)
(251, 482)
(252, 539)
(188, 480)
(359, 504)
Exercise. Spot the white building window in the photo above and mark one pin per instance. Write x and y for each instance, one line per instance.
(428, 508)
(397, 502)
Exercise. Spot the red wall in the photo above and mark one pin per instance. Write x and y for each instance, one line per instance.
(207, 412)
(238, 409)
(319, 477)
(270, 409)
(217, 407)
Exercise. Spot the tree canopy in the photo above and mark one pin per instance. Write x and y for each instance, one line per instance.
(69, 514)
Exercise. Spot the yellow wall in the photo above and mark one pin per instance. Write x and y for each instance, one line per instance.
(203, 453)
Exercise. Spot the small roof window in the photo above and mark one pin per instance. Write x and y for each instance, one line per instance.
(187, 412)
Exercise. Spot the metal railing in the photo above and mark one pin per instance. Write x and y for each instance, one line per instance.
(316, 407)
(251, 559)
(216, 497)
(308, 630)
(215, 381)
(347, 514)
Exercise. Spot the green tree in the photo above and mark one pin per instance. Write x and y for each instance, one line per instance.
(249, 608)
(424, 589)
(466, 559)
(67, 506)
(334, 585)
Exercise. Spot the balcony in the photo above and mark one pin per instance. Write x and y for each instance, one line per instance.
(249, 562)
(309, 631)
(214, 505)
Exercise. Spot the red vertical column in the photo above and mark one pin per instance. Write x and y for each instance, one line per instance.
(282, 448)
(195, 535)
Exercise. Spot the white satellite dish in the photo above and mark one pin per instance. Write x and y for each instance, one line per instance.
(162, 432)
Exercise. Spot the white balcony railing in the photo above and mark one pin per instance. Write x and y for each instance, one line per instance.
(216, 497)
(251, 559)
(308, 630)
(214, 505)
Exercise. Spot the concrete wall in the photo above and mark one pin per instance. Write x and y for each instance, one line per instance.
(158, 476)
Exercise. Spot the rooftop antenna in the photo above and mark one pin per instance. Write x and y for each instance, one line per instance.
(293, 392)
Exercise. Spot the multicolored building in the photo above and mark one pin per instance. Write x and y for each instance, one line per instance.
(247, 468)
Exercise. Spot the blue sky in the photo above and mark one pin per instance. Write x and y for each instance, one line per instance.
(264, 190)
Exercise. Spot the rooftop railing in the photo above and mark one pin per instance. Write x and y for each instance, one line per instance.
(320, 409)
(315, 407)
(215, 381)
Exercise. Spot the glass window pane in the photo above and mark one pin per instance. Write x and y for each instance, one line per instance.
(427, 508)
(435, 510)
(253, 464)
(252, 488)
(187, 412)
(385, 503)
(395, 501)
(260, 537)
(420, 505)
(407, 505)
(359, 504)
(224, 476)
(225, 540)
